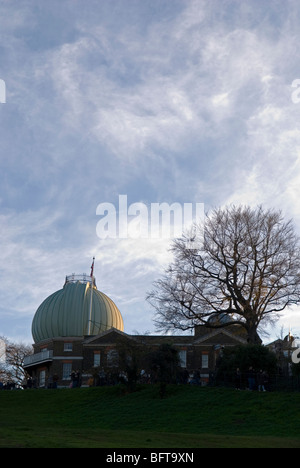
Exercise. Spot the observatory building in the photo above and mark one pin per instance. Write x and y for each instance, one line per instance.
(76, 330)
(62, 325)
(77, 310)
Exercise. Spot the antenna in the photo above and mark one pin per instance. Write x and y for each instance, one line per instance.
(91, 299)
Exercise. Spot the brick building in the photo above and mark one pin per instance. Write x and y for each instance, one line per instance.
(284, 349)
(79, 329)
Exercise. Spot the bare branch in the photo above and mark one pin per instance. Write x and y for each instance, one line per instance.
(247, 268)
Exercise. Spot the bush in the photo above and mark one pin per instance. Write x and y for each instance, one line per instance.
(163, 364)
(243, 357)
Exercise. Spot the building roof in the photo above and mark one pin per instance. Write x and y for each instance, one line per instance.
(67, 313)
(207, 338)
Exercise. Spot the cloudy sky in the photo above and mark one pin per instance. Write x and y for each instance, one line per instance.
(187, 101)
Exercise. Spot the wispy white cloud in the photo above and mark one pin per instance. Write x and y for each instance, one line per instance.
(165, 101)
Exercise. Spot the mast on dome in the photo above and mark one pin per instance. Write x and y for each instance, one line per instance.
(91, 299)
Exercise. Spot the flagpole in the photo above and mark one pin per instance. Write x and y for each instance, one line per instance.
(91, 299)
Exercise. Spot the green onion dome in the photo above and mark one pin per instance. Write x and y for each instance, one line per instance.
(78, 309)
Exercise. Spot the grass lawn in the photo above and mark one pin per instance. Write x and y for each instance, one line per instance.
(108, 417)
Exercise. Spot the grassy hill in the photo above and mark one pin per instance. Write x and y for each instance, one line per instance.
(189, 417)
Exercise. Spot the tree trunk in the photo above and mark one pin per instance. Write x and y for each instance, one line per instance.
(253, 337)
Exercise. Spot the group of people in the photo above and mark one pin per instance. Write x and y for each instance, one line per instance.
(32, 382)
(254, 380)
(103, 378)
(7, 386)
(75, 379)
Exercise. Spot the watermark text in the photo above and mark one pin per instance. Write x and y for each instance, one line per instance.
(296, 353)
(154, 221)
(2, 92)
(2, 350)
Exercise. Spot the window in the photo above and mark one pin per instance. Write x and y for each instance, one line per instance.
(182, 358)
(67, 369)
(112, 358)
(204, 361)
(68, 346)
(42, 378)
(97, 359)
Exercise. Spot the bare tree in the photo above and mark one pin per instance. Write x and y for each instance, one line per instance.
(12, 359)
(246, 271)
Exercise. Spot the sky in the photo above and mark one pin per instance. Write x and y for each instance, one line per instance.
(164, 101)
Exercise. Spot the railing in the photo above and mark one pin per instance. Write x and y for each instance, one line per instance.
(38, 357)
(84, 278)
(274, 382)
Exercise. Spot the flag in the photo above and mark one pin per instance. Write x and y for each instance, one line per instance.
(92, 268)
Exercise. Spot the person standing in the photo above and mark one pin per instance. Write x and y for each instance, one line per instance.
(251, 378)
(238, 379)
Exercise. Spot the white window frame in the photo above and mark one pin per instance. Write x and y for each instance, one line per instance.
(182, 358)
(112, 358)
(42, 378)
(97, 359)
(67, 369)
(68, 347)
(205, 361)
